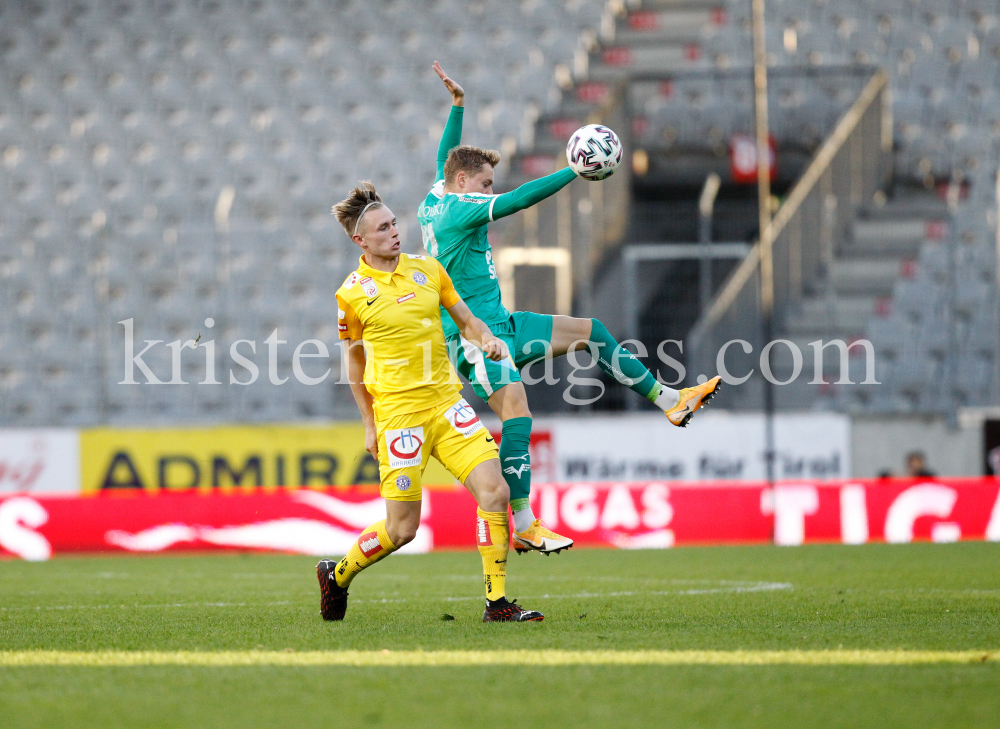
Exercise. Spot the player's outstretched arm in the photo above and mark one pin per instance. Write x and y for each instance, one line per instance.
(456, 91)
(530, 193)
(475, 330)
(356, 361)
(452, 135)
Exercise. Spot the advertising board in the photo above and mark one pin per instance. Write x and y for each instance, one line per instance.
(653, 514)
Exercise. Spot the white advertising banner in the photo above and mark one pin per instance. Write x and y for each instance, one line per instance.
(39, 461)
(716, 446)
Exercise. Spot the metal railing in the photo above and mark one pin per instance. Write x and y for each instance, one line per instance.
(852, 164)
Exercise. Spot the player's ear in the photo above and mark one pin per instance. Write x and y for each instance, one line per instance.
(460, 178)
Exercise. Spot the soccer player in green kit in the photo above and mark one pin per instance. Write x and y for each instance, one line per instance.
(453, 220)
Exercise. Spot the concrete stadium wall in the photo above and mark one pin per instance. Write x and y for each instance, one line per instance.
(881, 443)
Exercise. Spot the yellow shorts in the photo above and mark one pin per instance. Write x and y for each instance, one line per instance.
(451, 433)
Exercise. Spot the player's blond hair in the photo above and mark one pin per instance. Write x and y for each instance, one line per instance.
(351, 209)
(470, 160)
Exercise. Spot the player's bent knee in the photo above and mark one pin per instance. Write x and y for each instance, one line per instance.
(401, 534)
(402, 520)
(487, 484)
(519, 408)
(510, 402)
(495, 496)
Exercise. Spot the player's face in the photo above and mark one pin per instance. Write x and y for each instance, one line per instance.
(379, 233)
(481, 182)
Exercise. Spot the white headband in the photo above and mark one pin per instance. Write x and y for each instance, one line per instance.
(363, 211)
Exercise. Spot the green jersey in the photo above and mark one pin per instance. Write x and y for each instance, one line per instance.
(454, 224)
(454, 232)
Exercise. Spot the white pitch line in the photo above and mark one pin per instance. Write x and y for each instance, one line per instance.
(368, 659)
(137, 605)
(735, 588)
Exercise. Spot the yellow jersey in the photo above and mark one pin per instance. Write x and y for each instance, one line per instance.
(397, 315)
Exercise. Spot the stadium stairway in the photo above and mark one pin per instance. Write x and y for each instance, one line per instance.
(855, 287)
(914, 277)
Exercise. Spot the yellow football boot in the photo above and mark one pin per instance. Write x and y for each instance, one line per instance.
(538, 538)
(692, 398)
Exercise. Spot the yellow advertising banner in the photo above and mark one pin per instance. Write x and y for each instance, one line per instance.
(227, 458)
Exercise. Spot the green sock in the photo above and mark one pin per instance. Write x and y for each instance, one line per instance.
(515, 461)
(630, 371)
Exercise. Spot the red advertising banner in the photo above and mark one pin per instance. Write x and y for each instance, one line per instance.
(631, 516)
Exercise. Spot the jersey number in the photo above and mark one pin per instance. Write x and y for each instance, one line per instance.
(489, 264)
(430, 242)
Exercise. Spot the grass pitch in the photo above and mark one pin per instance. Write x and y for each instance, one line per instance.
(823, 636)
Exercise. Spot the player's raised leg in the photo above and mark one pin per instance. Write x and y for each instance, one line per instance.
(510, 403)
(570, 333)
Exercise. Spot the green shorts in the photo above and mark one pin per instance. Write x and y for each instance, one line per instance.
(528, 337)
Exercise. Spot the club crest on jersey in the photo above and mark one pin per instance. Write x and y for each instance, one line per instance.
(418, 277)
(368, 286)
(369, 544)
(404, 447)
(403, 483)
(463, 418)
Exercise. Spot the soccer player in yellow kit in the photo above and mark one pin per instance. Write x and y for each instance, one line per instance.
(409, 399)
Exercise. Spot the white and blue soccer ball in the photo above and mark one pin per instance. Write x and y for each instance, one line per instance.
(594, 152)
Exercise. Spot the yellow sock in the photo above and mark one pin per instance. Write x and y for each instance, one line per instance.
(372, 545)
(493, 538)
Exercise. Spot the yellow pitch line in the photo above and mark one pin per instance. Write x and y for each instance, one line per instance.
(9, 659)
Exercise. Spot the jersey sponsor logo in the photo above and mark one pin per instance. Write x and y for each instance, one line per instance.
(417, 258)
(419, 278)
(341, 327)
(463, 418)
(483, 538)
(372, 301)
(405, 297)
(341, 324)
(405, 447)
(351, 280)
(369, 544)
(403, 483)
(476, 200)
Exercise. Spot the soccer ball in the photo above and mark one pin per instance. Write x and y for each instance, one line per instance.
(594, 152)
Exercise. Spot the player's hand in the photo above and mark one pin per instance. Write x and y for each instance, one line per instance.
(457, 92)
(371, 442)
(495, 349)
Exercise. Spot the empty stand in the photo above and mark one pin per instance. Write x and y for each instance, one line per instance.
(121, 124)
